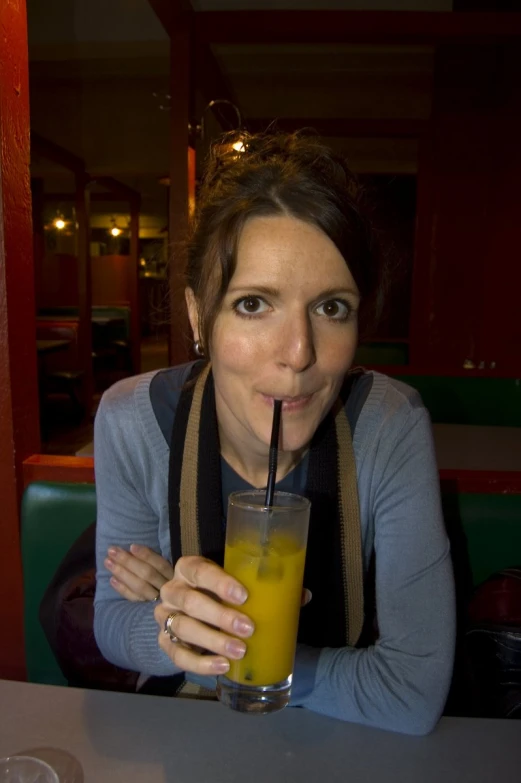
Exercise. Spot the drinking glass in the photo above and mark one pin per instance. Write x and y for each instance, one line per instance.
(265, 551)
(26, 769)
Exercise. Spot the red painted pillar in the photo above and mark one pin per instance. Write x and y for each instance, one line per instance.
(19, 436)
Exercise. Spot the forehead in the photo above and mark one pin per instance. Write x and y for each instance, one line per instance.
(277, 248)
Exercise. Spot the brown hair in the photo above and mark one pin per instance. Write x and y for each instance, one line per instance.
(277, 174)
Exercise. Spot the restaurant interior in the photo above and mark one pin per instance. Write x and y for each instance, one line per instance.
(107, 111)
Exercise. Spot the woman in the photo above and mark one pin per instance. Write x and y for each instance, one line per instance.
(281, 271)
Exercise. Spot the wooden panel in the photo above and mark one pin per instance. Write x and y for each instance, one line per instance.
(46, 467)
(481, 482)
(342, 127)
(180, 69)
(322, 26)
(59, 281)
(112, 280)
(135, 308)
(500, 323)
(19, 432)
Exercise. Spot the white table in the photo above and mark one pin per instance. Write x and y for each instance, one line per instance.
(127, 737)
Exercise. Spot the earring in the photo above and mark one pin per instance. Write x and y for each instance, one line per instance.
(198, 348)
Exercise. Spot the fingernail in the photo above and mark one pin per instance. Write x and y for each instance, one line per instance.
(113, 552)
(236, 649)
(243, 627)
(113, 581)
(109, 564)
(238, 594)
(308, 595)
(135, 549)
(219, 667)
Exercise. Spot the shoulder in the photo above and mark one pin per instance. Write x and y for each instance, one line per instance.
(385, 397)
(127, 413)
(132, 396)
(388, 409)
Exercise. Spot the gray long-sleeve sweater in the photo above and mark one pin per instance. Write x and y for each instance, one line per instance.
(401, 682)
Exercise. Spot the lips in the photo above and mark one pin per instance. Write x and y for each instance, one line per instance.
(290, 403)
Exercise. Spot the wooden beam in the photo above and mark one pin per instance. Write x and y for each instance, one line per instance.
(135, 316)
(495, 482)
(48, 467)
(180, 91)
(19, 429)
(370, 27)
(344, 127)
(117, 188)
(168, 11)
(209, 78)
(207, 74)
(84, 290)
(109, 198)
(51, 151)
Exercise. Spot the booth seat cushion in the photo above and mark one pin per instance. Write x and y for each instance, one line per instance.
(53, 516)
(491, 525)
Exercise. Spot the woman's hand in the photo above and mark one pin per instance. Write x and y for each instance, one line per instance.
(138, 575)
(203, 623)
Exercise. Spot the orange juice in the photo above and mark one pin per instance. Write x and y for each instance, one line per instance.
(273, 577)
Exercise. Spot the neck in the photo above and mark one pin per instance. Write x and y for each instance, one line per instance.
(252, 465)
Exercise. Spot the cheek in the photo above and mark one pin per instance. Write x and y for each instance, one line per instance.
(239, 345)
(336, 351)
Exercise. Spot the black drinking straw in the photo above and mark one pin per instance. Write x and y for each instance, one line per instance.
(274, 447)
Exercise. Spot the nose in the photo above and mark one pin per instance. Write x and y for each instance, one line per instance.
(297, 347)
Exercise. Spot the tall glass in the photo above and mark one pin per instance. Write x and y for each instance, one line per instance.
(266, 551)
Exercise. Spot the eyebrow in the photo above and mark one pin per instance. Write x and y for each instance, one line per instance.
(270, 291)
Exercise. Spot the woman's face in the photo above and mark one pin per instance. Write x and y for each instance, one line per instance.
(287, 329)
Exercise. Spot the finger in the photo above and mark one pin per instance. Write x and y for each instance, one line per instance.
(205, 575)
(144, 590)
(190, 661)
(134, 565)
(158, 562)
(200, 635)
(124, 591)
(307, 595)
(177, 595)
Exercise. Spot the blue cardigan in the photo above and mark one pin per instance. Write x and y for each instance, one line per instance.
(401, 682)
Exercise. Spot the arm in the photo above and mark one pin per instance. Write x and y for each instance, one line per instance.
(126, 632)
(400, 683)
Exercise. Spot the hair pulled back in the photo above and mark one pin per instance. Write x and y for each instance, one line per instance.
(294, 175)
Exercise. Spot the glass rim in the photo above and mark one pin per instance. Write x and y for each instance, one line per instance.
(234, 499)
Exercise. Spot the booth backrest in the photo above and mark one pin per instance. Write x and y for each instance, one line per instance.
(68, 359)
(471, 400)
(382, 353)
(492, 526)
(53, 516)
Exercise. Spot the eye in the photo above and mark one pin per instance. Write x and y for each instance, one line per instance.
(250, 305)
(336, 309)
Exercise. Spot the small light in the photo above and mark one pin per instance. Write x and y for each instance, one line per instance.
(115, 231)
(59, 223)
(238, 146)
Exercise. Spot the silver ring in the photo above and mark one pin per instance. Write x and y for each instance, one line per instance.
(168, 627)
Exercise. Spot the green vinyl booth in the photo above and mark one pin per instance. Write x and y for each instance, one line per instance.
(55, 514)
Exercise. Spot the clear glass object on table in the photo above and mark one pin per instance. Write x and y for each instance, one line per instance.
(266, 550)
(26, 769)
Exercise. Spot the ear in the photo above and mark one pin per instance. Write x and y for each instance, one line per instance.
(193, 312)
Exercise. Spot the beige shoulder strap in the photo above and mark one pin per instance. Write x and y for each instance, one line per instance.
(190, 544)
(350, 528)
